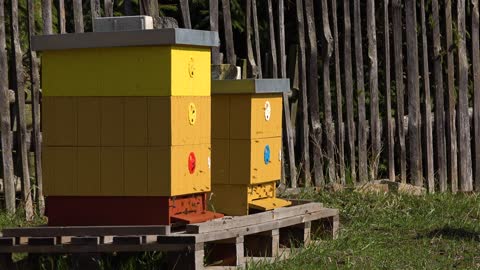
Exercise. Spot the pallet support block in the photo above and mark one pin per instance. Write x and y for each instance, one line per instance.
(297, 235)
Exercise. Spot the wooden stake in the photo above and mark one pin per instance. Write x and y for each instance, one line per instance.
(476, 90)
(78, 16)
(362, 122)
(347, 51)
(258, 55)
(61, 16)
(303, 93)
(19, 87)
(47, 16)
(338, 87)
(464, 158)
(5, 131)
(413, 95)
(390, 135)
(313, 100)
(213, 7)
(185, 14)
(451, 123)
(109, 7)
(227, 25)
(428, 108)
(273, 48)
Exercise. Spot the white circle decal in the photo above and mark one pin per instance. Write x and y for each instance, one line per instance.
(268, 110)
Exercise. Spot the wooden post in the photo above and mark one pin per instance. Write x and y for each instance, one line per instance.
(441, 153)
(327, 99)
(78, 16)
(451, 123)
(227, 25)
(390, 135)
(313, 100)
(338, 87)
(362, 125)
(428, 108)
(185, 14)
(257, 40)
(248, 25)
(35, 89)
(61, 16)
(303, 93)
(476, 90)
(374, 108)
(19, 109)
(464, 152)
(413, 95)
(95, 10)
(109, 7)
(213, 7)
(273, 48)
(288, 130)
(5, 131)
(399, 85)
(347, 61)
(127, 7)
(47, 16)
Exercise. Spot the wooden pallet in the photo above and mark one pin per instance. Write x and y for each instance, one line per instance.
(225, 242)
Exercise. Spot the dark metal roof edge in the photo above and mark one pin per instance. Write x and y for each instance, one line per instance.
(169, 36)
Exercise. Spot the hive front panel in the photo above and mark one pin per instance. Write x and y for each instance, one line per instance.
(127, 140)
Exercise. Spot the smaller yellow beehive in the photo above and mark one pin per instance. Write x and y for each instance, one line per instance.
(246, 144)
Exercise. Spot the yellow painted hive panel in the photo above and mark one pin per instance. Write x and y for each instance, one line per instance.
(246, 116)
(126, 121)
(234, 199)
(254, 161)
(127, 71)
(126, 171)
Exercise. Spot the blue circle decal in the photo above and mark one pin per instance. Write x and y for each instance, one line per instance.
(266, 154)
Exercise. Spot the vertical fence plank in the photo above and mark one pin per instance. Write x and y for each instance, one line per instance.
(338, 86)
(373, 83)
(61, 16)
(273, 48)
(5, 131)
(414, 135)
(476, 91)
(464, 150)
(185, 14)
(78, 16)
(327, 48)
(47, 16)
(281, 40)
(441, 153)
(248, 26)
(150, 8)
(362, 125)
(258, 55)
(19, 87)
(35, 90)
(127, 8)
(399, 85)
(213, 14)
(388, 95)
(95, 10)
(347, 61)
(303, 93)
(109, 7)
(451, 122)
(227, 25)
(428, 108)
(288, 136)
(313, 99)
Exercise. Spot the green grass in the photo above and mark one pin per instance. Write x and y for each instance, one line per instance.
(395, 232)
(378, 231)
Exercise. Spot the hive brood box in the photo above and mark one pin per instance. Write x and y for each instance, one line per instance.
(246, 144)
(126, 121)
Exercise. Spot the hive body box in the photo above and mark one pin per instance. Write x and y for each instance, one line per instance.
(126, 126)
(246, 144)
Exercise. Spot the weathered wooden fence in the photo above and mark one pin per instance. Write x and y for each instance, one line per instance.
(364, 104)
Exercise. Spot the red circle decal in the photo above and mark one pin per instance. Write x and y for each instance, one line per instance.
(191, 162)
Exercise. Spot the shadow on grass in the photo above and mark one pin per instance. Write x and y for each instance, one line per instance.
(452, 234)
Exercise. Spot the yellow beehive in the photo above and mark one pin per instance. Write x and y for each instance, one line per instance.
(246, 144)
(126, 113)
